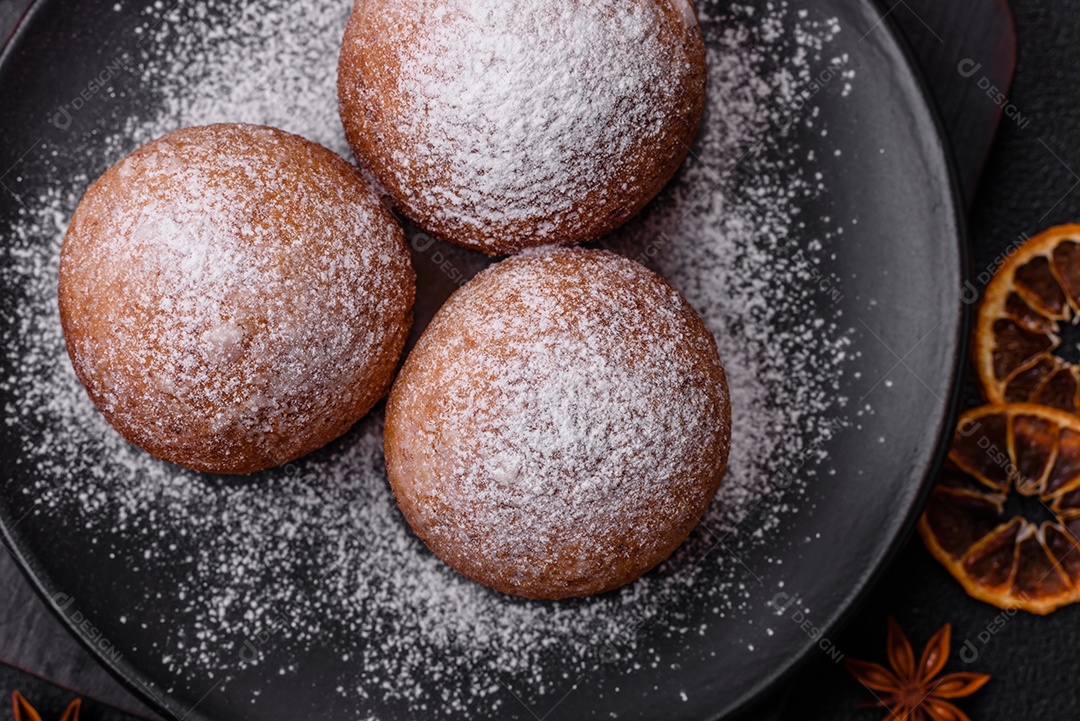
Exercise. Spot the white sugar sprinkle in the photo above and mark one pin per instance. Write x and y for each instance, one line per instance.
(579, 420)
(555, 101)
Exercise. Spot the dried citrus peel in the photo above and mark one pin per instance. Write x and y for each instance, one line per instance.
(1019, 327)
(1011, 562)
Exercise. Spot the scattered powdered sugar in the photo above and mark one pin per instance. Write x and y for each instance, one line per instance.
(561, 426)
(270, 63)
(314, 557)
(726, 233)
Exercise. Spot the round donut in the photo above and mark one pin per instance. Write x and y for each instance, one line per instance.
(561, 426)
(501, 125)
(234, 297)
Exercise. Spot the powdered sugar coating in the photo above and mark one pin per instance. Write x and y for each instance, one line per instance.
(500, 125)
(234, 297)
(561, 425)
(251, 586)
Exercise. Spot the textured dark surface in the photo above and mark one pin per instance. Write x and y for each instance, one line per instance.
(1030, 182)
(10, 11)
(31, 638)
(48, 699)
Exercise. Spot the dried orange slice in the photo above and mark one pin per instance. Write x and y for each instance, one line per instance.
(1004, 454)
(1019, 325)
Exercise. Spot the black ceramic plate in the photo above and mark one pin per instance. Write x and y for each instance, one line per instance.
(848, 170)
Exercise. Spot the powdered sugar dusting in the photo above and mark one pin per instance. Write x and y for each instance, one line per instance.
(556, 76)
(162, 263)
(314, 558)
(561, 425)
(505, 125)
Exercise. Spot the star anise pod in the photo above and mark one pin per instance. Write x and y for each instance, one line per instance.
(916, 692)
(25, 712)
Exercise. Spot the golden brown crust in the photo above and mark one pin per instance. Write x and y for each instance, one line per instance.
(561, 426)
(544, 142)
(234, 297)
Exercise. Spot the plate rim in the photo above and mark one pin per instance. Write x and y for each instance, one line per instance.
(958, 373)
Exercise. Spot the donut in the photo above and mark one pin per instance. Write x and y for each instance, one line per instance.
(234, 297)
(500, 126)
(561, 426)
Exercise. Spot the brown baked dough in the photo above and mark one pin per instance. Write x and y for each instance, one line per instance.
(234, 297)
(502, 125)
(561, 426)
